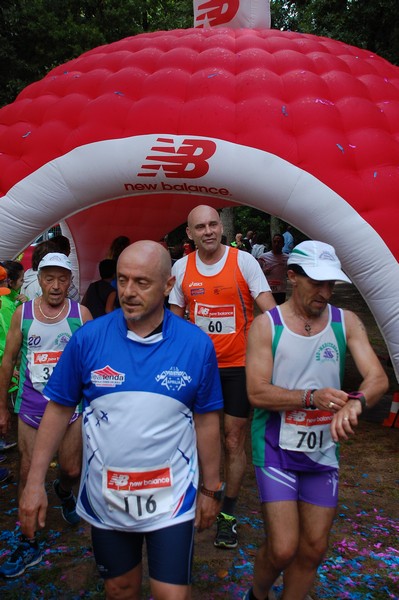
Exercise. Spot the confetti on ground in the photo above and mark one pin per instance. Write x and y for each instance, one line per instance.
(362, 563)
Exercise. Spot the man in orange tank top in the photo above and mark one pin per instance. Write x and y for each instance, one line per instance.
(218, 285)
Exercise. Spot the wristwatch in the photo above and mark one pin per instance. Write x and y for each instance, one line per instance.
(358, 396)
(215, 494)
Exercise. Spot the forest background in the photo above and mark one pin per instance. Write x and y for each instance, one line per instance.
(37, 35)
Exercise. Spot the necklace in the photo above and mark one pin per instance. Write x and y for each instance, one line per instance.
(307, 326)
(46, 316)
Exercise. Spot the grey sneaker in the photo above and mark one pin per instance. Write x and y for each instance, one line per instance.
(24, 556)
(68, 505)
(226, 536)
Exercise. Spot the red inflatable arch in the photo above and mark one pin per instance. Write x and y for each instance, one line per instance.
(128, 137)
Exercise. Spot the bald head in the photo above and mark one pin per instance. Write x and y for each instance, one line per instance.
(204, 227)
(150, 255)
(202, 213)
(144, 281)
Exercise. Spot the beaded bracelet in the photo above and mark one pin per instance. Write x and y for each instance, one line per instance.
(306, 398)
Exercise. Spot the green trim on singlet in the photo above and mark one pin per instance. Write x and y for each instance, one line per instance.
(338, 331)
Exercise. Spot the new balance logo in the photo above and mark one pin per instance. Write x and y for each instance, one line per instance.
(188, 161)
(215, 12)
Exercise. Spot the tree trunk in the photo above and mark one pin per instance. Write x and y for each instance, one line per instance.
(227, 218)
(276, 226)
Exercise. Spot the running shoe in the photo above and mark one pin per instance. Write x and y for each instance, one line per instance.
(4, 445)
(24, 556)
(5, 475)
(226, 536)
(68, 505)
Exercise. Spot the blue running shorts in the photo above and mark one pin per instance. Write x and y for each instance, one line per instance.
(169, 552)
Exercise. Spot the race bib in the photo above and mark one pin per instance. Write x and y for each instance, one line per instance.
(41, 367)
(275, 285)
(215, 319)
(305, 430)
(142, 493)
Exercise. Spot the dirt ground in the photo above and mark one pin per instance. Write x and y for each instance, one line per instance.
(363, 558)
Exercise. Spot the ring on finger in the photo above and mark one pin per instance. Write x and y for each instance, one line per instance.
(331, 405)
(346, 419)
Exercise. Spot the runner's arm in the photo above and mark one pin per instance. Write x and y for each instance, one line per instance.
(207, 427)
(86, 314)
(265, 301)
(374, 383)
(177, 310)
(33, 501)
(13, 346)
(110, 304)
(375, 380)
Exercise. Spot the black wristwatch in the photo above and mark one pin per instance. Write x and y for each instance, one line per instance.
(358, 396)
(215, 494)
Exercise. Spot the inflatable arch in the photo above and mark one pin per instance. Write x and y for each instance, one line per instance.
(128, 137)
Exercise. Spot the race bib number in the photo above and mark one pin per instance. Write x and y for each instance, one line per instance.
(141, 493)
(215, 319)
(42, 366)
(305, 430)
(275, 285)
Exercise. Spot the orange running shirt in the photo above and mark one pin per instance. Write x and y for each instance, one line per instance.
(222, 306)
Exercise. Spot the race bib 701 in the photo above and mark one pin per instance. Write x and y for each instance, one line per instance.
(305, 430)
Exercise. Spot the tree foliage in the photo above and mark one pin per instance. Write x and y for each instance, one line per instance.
(37, 35)
(370, 25)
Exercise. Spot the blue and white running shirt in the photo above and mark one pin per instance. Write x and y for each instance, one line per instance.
(140, 465)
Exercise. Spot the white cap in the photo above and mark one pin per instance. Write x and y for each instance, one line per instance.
(318, 260)
(55, 259)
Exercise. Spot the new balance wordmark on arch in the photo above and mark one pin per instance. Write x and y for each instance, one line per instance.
(188, 161)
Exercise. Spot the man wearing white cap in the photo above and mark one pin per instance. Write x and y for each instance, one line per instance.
(295, 364)
(40, 329)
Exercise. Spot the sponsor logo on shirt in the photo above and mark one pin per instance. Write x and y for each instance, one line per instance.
(216, 312)
(173, 379)
(195, 284)
(308, 418)
(107, 377)
(197, 292)
(129, 481)
(62, 339)
(48, 358)
(327, 352)
(218, 289)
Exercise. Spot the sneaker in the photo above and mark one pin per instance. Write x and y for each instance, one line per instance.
(26, 555)
(5, 475)
(226, 536)
(4, 445)
(68, 505)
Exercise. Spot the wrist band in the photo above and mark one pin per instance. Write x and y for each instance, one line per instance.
(358, 396)
(311, 400)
